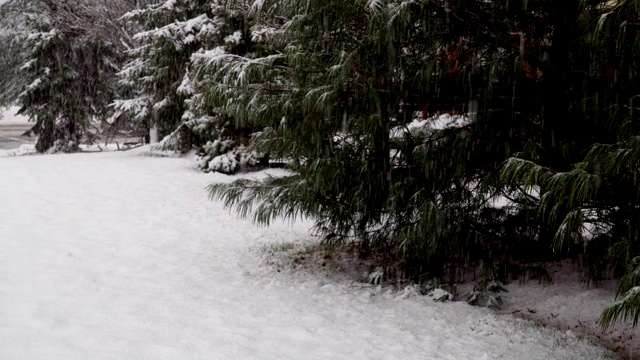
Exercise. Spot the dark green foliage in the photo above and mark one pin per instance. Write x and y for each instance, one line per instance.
(67, 56)
(11, 58)
(627, 307)
(331, 103)
(65, 93)
(593, 201)
(172, 88)
(159, 61)
(552, 89)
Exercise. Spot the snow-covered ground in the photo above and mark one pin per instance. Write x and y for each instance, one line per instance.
(30, 149)
(118, 255)
(573, 307)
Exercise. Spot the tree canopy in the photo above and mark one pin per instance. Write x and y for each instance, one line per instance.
(61, 65)
(545, 95)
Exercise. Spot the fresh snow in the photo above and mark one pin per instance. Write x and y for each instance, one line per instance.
(433, 123)
(30, 149)
(121, 255)
(24, 149)
(571, 306)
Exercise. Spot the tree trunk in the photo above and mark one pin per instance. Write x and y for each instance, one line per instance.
(46, 136)
(382, 154)
(556, 124)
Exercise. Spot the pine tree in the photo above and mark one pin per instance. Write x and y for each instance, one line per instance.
(70, 55)
(592, 203)
(169, 34)
(170, 82)
(332, 93)
(13, 55)
(341, 81)
(226, 138)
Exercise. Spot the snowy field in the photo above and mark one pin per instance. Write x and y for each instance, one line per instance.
(120, 255)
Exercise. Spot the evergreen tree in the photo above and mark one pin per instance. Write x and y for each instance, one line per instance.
(70, 55)
(331, 96)
(12, 26)
(593, 202)
(170, 83)
(226, 139)
(551, 94)
(169, 33)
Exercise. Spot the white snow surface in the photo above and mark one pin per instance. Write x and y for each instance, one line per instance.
(573, 307)
(24, 149)
(120, 255)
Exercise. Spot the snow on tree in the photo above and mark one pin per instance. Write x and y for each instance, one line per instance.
(171, 84)
(70, 56)
(552, 93)
(169, 33)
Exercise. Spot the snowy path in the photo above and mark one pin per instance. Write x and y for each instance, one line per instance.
(122, 256)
